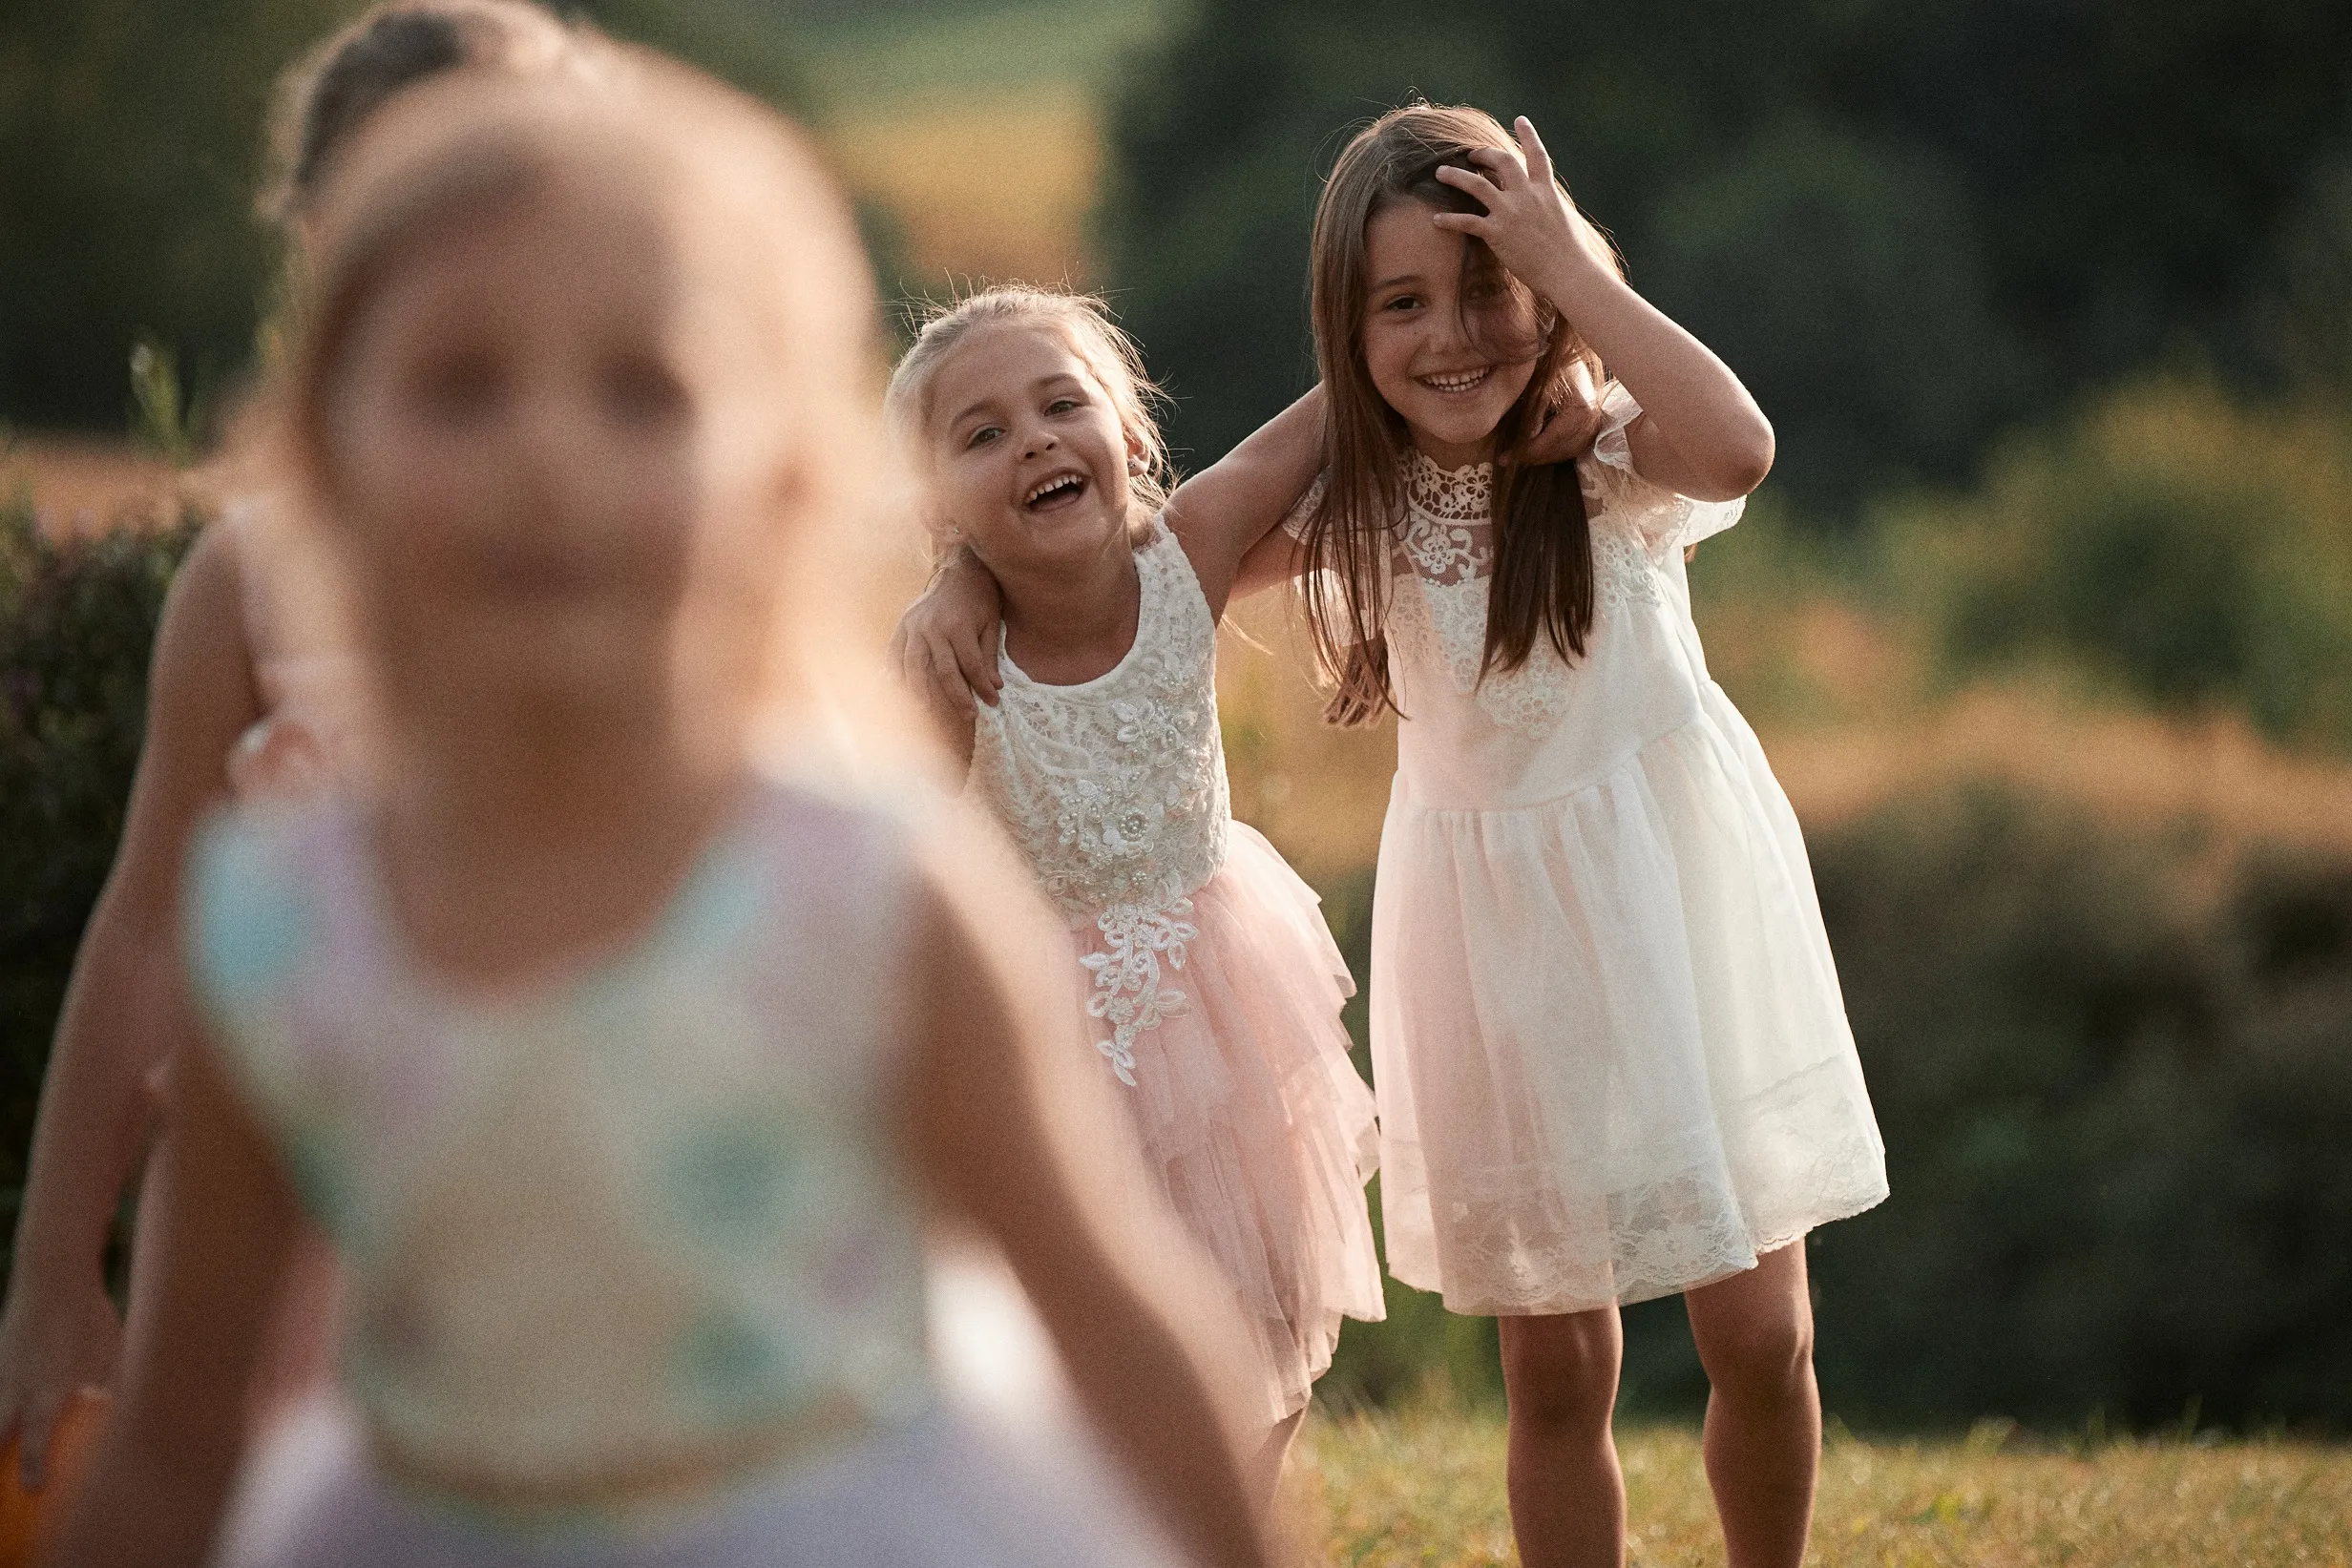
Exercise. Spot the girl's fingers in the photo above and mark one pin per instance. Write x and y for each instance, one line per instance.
(947, 684)
(1471, 181)
(1531, 147)
(1462, 222)
(1502, 161)
(976, 659)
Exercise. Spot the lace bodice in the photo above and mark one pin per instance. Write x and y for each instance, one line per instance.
(1115, 791)
(1447, 544)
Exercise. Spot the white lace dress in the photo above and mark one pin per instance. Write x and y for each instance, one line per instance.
(1612, 1059)
(1204, 968)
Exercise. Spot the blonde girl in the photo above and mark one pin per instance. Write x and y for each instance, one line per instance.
(622, 1070)
(1198, 959)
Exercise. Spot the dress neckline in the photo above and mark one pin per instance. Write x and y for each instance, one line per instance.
(1449, 495)
(1014, 675)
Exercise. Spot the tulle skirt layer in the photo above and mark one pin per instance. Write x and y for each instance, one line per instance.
(1612, 1056)
(1256, 1126)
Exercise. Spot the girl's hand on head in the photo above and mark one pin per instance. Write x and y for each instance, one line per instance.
(1534, 230)
(945, 645)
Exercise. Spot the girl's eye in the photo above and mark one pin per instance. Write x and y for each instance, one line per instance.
(982, 436)
(458, 390)
(643, 392)
(1062, 406)
(1402, 302)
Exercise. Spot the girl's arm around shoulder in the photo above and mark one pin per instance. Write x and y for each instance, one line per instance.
(945, 647)
(1700, 433)
(1003, 1130)
(164, 1464)
(1228, 508)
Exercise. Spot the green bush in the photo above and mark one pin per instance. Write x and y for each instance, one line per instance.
(2189, 551)
(77, 621)
(2116, 1106)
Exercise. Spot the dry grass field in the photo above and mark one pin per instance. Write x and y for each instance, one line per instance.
(1425, 1488)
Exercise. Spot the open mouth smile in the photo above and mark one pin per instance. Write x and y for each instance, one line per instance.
(1455, 383)
(1058, 490)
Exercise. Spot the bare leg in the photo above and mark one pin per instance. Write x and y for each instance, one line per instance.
(1567, 1496)
(1763, 1445)
(1267, 1467)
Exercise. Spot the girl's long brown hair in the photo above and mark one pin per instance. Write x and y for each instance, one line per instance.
(1542, 580)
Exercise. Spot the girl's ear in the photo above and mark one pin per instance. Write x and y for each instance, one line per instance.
(1139, 455)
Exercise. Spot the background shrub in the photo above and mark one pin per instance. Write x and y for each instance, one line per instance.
(76, 625)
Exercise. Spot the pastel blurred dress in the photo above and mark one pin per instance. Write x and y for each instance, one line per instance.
(1612, 1057)
(1203, 964)
(646, 1224)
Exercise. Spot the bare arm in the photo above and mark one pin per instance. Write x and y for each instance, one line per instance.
(1234, 505)
(1700, 433)
(165, 1462)
(59, 1331)
(945, 647)
(1006, 1135)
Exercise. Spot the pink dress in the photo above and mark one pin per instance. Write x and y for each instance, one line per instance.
(1612, 1056)
(1205, 967)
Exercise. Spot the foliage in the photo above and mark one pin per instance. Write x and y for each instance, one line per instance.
(130, 149)
(2189, 552)
(76, 623)
(1425, 1486)
(1909, 225)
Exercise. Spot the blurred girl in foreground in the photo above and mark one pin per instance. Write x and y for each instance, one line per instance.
(241, 701)
(621, 1072)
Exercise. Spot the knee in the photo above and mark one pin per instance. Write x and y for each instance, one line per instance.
(1560, 1372)
(1761, 1360)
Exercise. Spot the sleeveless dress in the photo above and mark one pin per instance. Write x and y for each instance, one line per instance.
(1203, 964)
(1612, 1056)
(645, 1221)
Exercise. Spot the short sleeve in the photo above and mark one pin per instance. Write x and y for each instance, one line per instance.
(1666, 521)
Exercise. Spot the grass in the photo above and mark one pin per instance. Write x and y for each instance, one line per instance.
(1425, 1486)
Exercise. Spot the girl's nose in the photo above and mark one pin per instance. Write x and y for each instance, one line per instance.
(1040, 441)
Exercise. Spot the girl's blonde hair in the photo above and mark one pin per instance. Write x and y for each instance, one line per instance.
(1085, 322)
(1543, 583)
(473, 144)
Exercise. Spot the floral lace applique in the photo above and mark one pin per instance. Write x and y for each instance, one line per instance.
(1115, 792)
(1447, 544)
(1127, 992)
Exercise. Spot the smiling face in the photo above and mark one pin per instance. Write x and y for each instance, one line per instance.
(554, 485)
(1450, 348)
(1028, 460)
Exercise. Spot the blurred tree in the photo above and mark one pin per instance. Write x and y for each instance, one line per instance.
(1991, 205)
(130, 145)
(2187, 551)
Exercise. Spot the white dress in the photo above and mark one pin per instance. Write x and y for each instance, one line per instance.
(1611, 1055)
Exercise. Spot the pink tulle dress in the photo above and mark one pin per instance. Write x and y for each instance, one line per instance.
(1612, 1056)
(1206, 970)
